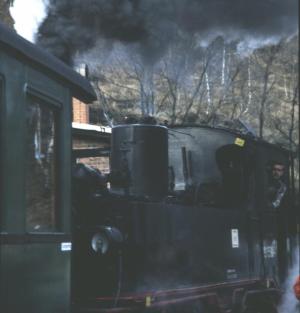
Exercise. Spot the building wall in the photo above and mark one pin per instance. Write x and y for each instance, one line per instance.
(86, 139)
(80, 112)
(99, 162)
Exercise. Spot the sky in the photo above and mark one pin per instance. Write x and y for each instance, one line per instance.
(27, 15)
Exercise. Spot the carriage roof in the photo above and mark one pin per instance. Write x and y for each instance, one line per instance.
(21, 48)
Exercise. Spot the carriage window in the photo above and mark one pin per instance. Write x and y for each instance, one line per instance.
(40, 167)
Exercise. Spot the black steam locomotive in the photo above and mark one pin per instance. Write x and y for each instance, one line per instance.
(186, 224)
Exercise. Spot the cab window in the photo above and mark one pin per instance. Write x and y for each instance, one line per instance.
(41, 174)
(236, 168)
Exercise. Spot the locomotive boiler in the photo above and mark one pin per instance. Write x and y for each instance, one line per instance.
(180, 224)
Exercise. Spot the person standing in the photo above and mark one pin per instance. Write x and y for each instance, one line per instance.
(277, 186)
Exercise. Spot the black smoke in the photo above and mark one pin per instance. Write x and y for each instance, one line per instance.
(73, 26)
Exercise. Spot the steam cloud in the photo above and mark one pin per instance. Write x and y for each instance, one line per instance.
(289, 303)
(73, 26)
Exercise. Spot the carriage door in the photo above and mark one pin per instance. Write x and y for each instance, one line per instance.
(46, 207)
(35, 237)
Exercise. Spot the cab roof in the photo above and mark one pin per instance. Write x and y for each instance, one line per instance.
(80, 87)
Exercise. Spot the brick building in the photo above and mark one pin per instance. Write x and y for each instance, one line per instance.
(80, 112)
(91, 143)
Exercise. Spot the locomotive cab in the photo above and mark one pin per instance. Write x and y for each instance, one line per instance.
(228, 170)
(215, 165)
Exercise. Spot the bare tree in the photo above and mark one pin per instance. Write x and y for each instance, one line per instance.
(265, 59)
(260, 89)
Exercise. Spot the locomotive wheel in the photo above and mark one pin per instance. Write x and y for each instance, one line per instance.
(199, 307)
(196, 307)
(261, 308)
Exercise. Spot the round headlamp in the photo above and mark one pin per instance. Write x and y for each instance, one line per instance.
(105, 238)
(100, 243)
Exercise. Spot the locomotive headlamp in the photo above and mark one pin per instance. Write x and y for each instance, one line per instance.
(100, 243)
(105, 238)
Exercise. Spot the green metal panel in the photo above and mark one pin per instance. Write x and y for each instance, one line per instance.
(65, 148)
(34, 277)
(12, 171)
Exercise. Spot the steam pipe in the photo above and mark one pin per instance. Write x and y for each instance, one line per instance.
(190, 168)
(184, 166)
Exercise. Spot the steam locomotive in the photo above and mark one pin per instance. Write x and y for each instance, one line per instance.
(180, 224)
(184, 225)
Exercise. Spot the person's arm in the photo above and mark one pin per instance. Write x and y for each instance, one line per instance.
(279, 195)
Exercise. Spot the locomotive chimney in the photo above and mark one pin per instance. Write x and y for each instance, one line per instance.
(139, 160)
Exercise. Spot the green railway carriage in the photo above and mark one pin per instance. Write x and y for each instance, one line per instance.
(36, 93)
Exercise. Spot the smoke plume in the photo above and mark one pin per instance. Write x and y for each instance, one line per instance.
(73, 26)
